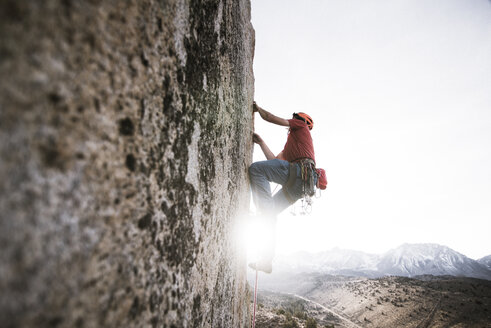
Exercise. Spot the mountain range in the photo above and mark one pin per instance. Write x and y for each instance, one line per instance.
(407, 260)
(486, 261)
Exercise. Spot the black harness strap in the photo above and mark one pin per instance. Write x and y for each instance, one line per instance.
(292, 176)
(291, 181)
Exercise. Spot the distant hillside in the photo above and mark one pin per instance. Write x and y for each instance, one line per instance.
(388, 302)
(407, 260)
(331, 261)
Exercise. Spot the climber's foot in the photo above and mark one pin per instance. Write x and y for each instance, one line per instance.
(264, 266)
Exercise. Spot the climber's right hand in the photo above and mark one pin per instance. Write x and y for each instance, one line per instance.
(255, 107)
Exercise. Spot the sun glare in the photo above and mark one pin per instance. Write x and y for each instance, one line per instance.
(253, 234)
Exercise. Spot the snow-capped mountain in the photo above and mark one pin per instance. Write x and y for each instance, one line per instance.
(486, 261)
(418, 259)
(406, 260)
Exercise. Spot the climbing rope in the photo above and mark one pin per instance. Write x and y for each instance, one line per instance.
(255, 298)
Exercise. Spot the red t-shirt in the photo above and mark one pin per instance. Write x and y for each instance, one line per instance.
(299, 143)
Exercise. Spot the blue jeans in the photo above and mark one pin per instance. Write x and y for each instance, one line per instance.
(277, 171)
(261, 174)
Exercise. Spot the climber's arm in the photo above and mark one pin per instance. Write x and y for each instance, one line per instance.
(268, 153)
(280, 156)
(267, 116)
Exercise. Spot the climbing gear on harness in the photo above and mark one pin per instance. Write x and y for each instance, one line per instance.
(307, 168)
(306, 118)
(307, 172)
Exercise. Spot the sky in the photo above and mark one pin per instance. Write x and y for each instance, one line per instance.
(400, 95)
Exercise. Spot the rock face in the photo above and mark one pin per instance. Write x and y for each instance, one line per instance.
(125, 137)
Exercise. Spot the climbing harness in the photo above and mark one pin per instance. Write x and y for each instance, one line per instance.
(308, 174)
(255, 298)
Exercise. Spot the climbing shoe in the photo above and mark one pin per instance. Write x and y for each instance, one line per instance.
(264, 266)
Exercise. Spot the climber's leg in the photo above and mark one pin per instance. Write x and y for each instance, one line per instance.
(261, 174)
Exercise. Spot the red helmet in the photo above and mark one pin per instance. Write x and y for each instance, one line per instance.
(306, 118)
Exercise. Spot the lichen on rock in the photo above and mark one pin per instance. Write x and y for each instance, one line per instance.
(125, 137)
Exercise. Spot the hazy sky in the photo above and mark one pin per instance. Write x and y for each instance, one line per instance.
(400, 93)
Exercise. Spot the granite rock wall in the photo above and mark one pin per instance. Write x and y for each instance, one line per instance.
(125, 137)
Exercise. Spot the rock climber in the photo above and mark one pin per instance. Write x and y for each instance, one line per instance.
(293, 169)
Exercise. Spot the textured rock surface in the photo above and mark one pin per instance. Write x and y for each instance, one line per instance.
(125, 137)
